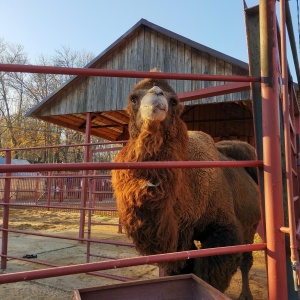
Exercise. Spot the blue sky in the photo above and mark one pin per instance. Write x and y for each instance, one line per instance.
(42, 26)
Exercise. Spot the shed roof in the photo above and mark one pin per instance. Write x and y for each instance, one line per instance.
(14, 161)
(68, 105)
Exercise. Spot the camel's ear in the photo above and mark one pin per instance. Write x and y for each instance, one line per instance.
(153, 70)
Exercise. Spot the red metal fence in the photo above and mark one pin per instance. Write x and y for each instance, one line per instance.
(271, 167)
(59, 188)
(62, 188)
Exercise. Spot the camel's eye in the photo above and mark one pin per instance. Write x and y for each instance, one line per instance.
(174, 102)
(133, 99)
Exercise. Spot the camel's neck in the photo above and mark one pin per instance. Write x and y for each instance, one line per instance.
(147, 197)
(157, 143)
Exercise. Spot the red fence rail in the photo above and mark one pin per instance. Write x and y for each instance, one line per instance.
(119, 73)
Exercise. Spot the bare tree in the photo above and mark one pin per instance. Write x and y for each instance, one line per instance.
(11, 89)
(19, 92)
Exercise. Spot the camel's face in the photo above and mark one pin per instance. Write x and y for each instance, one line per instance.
(153, 105)
(153, 101)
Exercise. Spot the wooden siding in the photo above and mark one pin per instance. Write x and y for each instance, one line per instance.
(223, 121)
(142, 51)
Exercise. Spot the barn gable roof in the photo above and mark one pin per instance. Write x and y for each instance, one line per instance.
(142, 47)
(174, 36)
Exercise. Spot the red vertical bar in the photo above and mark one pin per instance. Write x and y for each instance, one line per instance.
(37, 188)
(49, 182)
(276, 265)
(60, 186)
(296, 188)
(287, 142)
(101, 189)
(84, 180)
(5, 211)
(89, 231)
(93, 190)
(120, 228)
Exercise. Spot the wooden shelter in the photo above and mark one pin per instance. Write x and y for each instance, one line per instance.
(142, 48)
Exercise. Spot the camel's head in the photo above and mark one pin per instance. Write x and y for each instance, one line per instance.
(152, 101)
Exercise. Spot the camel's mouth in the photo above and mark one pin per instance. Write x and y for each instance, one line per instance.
(154, 106)
(153, 113)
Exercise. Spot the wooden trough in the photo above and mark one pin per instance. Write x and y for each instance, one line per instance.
(180, 287)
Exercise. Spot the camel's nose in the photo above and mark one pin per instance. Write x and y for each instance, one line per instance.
(156, 90)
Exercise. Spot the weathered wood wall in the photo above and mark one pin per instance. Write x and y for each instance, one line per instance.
(142, 51)
(223, 121)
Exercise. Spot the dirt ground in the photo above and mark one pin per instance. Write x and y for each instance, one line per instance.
(68, 252)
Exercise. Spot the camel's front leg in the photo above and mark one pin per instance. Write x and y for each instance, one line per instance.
(218, 270)
(245, 267)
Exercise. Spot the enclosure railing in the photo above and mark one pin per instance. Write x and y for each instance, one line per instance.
(274, 246)
(61, 187)
(62, 192)
(55, 271)
(120, 263)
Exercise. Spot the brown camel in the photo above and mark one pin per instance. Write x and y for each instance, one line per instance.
(167, 210)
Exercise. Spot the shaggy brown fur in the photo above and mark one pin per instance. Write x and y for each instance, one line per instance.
(165, 210)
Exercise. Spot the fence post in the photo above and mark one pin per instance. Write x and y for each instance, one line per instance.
(276, 267)
(61, 189)
(288, 112)
(49, 188)
(93, 190)
(85, 180)
(120, 227)
(37, 188)
(6, 194)
(89, 231)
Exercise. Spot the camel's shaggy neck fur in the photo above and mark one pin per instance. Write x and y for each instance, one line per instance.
(157, 142)
(149, 190)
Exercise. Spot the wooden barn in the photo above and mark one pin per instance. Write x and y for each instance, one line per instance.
(141, 48)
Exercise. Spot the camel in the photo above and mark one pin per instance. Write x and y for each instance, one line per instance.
(167, 210)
